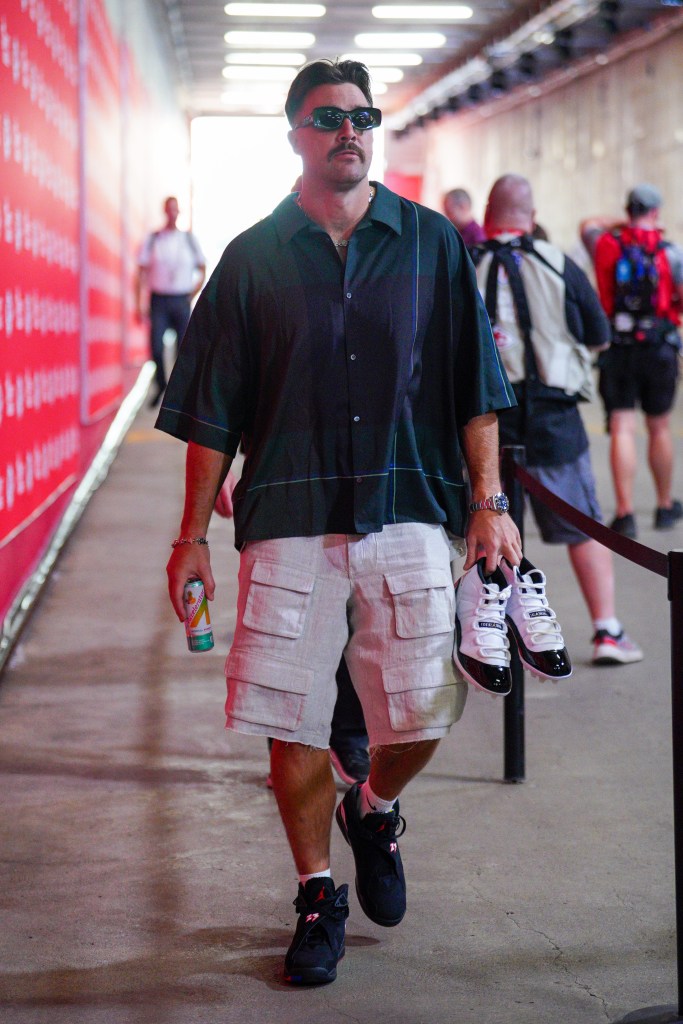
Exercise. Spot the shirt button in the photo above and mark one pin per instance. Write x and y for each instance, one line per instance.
(353, 356)
(359, 479)
(356, 419)
(348, 295)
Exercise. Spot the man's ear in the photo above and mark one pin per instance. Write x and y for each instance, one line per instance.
(292, 136)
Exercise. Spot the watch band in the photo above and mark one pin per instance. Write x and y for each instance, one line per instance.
(494, 503)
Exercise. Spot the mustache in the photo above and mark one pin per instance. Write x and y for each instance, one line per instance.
(347, 147)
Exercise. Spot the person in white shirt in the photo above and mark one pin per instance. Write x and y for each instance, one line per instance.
(172, 268)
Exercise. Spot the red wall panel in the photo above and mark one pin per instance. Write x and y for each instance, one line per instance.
(77, 120)
(39, 262)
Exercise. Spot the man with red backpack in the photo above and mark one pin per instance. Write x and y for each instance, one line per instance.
(639, 277)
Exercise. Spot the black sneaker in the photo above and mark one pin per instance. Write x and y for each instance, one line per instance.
(351, 764)
(666, 518)
(380, 882)
(318, 943)
(625, 525)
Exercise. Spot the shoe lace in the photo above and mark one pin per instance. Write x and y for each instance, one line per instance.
(386, 827)
(542, 625)
(490, 625)
(335, 905)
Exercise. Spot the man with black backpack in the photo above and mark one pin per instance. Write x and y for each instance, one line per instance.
(545, 317)
(640, 281)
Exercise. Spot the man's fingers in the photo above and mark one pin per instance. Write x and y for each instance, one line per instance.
(185, 564)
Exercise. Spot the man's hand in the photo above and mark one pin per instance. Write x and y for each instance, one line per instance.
(205, 473)
(188, 561)
(223, 506)
(493, 535)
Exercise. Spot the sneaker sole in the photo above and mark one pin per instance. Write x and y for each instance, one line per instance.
(312, 975)
(521, 650)
(472, 681)
(343, 775)
(385, 923)
(616, 659)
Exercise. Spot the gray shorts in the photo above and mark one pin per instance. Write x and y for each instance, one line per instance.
(383, 600)
(575, 483)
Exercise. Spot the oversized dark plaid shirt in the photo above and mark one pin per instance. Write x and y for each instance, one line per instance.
(348, 385)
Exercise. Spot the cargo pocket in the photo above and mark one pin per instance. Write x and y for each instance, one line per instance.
(278, 599)
(266, 692)
(424, 602)
(423, 695)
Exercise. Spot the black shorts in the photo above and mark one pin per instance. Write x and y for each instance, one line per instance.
(639, 374)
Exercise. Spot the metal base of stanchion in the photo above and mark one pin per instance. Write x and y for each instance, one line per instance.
(652, 1015)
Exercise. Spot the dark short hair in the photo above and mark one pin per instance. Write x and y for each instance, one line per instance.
(458, 195)
(326, 72)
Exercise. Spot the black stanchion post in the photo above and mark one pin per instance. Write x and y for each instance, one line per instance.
(513, 710)
(676, 599)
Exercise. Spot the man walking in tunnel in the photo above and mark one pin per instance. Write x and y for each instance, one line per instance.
(640, 282)
(171, 267)
(344, 341)
(545, 317)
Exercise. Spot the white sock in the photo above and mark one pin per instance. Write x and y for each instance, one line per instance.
(612, 625)
(327, 873)
(370, 803)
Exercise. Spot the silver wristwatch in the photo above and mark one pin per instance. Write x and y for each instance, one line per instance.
(495, 503)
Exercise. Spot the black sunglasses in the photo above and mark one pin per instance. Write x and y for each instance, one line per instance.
(329, 119)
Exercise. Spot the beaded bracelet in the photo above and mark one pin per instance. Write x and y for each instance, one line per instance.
(188, 540)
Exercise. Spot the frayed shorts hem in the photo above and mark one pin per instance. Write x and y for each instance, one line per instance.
(385, 740)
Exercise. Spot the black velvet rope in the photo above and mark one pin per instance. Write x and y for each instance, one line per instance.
(648, 558)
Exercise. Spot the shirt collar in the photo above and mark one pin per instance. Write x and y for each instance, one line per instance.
(385, 209)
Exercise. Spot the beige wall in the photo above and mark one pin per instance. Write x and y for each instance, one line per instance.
(583, 142)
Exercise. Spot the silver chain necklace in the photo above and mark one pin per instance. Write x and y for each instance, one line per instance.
(343, 242)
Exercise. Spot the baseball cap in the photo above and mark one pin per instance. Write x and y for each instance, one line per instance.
(643, 198)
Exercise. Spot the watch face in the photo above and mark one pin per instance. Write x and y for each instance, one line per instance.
(501, 502)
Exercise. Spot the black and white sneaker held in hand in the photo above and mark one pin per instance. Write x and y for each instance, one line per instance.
(482, 648)
(318, 943)
(380, 882)
(534, 624)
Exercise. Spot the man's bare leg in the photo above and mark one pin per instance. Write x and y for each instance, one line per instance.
(306, 796)
(623, 457)
(392, 767)
(660, 456)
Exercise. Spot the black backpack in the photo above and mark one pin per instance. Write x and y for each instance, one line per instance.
(636, 290)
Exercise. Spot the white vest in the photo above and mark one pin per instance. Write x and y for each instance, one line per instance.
(562, 361)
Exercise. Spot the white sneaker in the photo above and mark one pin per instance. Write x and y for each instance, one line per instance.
(615, 650)
(534, 624)
(482, 649)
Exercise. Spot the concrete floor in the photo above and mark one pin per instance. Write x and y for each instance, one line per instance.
(145, 874)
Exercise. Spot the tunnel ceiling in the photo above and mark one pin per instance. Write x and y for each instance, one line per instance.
(504, 40)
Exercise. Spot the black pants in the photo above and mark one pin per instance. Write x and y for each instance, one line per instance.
(348, 725)
(166, 311)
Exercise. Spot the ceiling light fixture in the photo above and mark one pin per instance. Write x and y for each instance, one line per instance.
(394, 40)
(271, 40)
(406, 60)
(245, 57)
(385, 74)
(258, 73)
(246, 104)
(426, 12)
(275, 10)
